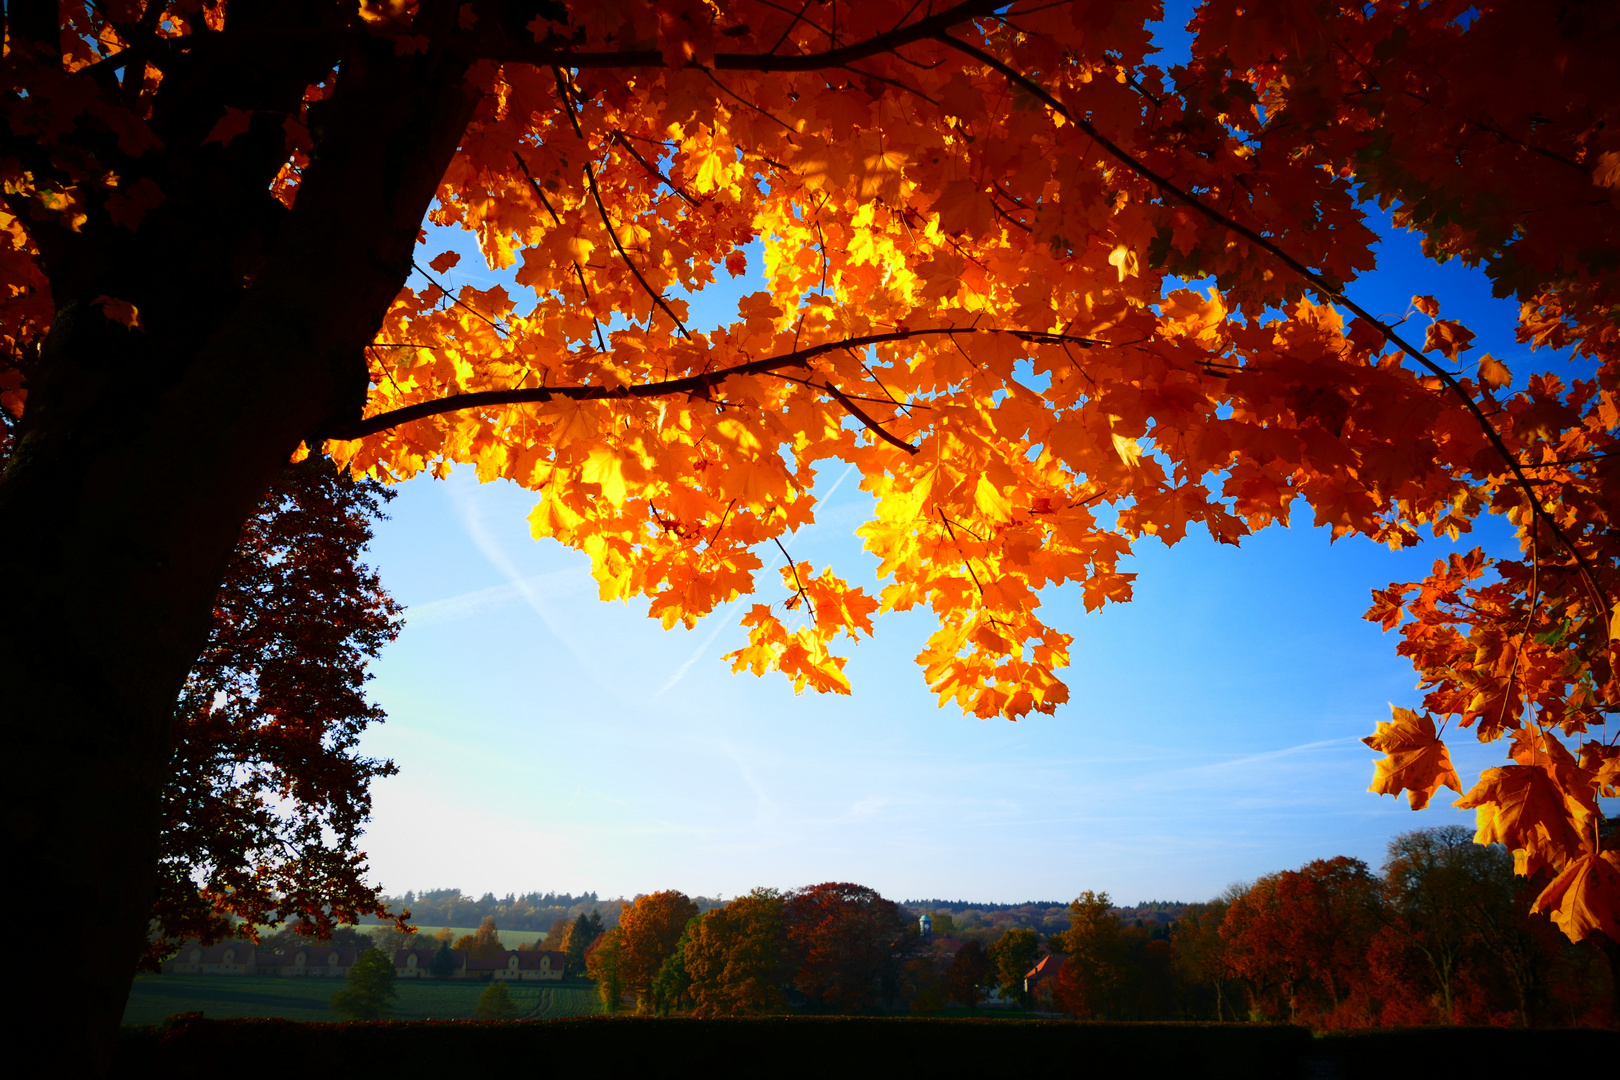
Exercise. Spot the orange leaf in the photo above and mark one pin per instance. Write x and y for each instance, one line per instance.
(1493, 372)
(120, 311)
(1524, 810)
(1449, 337)
(1417, 760)
(444, 261)
(1427, 304)
(1585, 897)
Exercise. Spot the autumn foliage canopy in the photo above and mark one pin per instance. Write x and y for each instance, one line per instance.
(976, 224)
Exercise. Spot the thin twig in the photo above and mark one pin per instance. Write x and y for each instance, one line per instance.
(871, 425)
(499, 329)
(1535, 602)
(967, 563)
(658, 297)
(808, 606)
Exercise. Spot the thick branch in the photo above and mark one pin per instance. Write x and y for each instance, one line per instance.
(543, 55)
(688, 384)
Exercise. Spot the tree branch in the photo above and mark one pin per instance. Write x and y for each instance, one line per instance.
(652, 170)
(687, 384)
(525, 50)
(871, 425)
(1317, 281)
(658, 297)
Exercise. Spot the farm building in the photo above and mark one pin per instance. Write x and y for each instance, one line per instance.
(243, 958)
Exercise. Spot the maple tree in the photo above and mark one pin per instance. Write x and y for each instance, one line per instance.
(975, 221)
(1201, 953)
(1439, 890)
(844, 943)
(734, 957)
(965, 978)
(1011, 956)
(649, 931)
(1091, 977)
(1301, 936)
(266, 796)
(483, 943)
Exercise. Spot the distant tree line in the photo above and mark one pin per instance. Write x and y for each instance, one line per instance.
(835, 947)
(451, 907)
(1444, 935)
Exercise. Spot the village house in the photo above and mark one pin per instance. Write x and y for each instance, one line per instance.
(517, 964)
(418, 963)
(226, 958)
(244, 958)
(528, 966)
(1041, 980)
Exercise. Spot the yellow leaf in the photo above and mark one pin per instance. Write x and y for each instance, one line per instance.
(604, 468)
(579, 249)
(1125, 261)
(1128, 449)
(991, 502)
(1607, 173)
(1522, 808)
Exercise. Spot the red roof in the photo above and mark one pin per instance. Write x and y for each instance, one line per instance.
(1046, 967)
(527, 960)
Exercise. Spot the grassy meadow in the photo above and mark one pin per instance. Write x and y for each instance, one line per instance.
(155, 997)
(509, 938)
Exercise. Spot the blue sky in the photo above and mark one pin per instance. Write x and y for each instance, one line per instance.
(549, 741)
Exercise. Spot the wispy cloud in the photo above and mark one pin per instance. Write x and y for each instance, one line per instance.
(1273, 755)
(558, 583)
(536, 590)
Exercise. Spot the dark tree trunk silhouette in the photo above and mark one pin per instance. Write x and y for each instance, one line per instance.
(143, 450)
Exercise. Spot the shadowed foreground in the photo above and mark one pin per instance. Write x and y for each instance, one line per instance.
(828, 1046)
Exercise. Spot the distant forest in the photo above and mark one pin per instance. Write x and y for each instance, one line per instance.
(532, 911)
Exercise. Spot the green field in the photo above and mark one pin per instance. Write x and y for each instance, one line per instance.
(424, 934)
(510, 938)
(155, 997)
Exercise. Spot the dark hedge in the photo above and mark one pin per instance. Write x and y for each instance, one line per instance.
(835, 1047)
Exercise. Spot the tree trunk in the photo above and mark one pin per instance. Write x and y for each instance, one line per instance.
(141, 454)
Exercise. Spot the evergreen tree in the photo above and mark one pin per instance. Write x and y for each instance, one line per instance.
(496, 1003)
(443, 964)
(671, 983)
(587, 928)
(370, 991)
